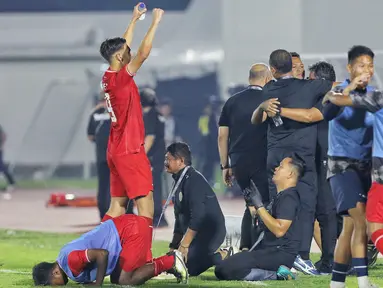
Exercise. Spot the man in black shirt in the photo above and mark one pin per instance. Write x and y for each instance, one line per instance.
(326, 210)
(293, 136)
(98, 132)
(243, 146)
(280, 244)
(155, 148)
(199, 228)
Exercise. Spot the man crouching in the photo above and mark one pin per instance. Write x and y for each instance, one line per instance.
(114, 248)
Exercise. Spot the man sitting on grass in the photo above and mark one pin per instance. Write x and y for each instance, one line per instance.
(115, 248)
(275, 255)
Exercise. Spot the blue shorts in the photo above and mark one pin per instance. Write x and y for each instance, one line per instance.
(349, 188)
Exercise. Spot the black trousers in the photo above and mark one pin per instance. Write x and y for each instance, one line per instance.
(202, 251)
(103, 193)
(157, 193)
(307, 189)
(326, 211)
(246, 168)
(238, 266)
(4, 170)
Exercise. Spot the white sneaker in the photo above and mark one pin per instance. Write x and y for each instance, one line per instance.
(179, 268)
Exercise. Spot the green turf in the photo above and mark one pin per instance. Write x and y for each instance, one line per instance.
(19, 251)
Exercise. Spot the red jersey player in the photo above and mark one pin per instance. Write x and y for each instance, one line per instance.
(130, 170)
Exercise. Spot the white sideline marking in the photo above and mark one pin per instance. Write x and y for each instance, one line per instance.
(7, 271)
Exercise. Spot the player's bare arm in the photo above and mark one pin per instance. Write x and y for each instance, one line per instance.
(128, 35)
(311, 115)
(146, 44)
(149, 141)
(100, 258)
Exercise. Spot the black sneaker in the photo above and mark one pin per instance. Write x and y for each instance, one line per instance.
(324, 267)
(372, 254)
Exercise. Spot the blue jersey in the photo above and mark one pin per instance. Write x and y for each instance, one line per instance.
(350, 132)
(373, 102)
(105, 236)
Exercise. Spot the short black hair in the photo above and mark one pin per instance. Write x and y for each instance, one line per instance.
(166, 101)
(148, 97)
(357, 51)
(323, 70)
(281, 61)
(299, 164)
(42, 273)
(180, 150)
(111, 46)
(295, 54)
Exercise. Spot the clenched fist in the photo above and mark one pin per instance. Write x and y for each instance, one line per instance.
(157, 15)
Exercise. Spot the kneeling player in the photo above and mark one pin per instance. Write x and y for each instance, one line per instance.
(115, 248)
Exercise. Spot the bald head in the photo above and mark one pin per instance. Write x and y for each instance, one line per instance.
(259, 74)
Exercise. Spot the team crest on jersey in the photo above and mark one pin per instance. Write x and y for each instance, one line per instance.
(180, 196)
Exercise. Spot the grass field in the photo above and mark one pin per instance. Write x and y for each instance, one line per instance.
(19, 251)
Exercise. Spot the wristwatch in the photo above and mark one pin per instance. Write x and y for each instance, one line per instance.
(224, 167)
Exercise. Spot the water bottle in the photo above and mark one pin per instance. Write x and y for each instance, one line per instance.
(277, 120)
(140, 8)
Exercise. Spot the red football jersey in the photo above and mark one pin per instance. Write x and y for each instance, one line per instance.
(124, 106)
(77, 261)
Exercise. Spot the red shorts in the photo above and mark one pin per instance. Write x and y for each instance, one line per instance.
(130, 175)
(374, 208)
(136, 241)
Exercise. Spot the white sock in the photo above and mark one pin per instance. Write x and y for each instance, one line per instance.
(363, 282)
(335, 284)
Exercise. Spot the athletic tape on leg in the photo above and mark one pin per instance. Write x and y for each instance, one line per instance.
(175, 187)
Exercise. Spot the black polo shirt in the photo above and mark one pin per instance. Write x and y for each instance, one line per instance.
(295, 93)
(244, 137)
(285, 206)
(155, 125)
(99, 128)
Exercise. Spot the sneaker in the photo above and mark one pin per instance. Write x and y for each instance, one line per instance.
(305, 266)
(284, 273)
(179, 268)
(323, 267)
(372, 254)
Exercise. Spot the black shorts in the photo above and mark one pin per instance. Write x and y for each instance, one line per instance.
(349, 188)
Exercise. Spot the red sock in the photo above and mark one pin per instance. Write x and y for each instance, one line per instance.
(106, 217)
(377, 238)
(162, 264)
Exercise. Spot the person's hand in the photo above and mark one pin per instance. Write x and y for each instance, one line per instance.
(359, 81)
(138, 13)
(184, 250)
(227, 177)
(171, 250)
(253, 196)
(253, 211)
(157, 15)
(328, 96)
(271, 106)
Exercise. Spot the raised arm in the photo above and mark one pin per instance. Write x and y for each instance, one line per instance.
(146, 44)
(128, 35)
